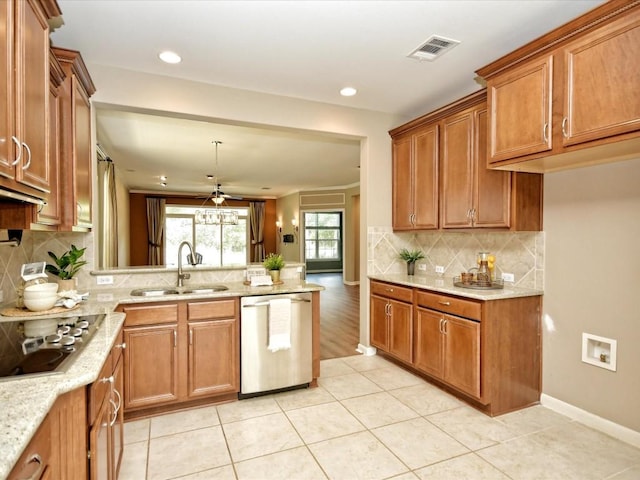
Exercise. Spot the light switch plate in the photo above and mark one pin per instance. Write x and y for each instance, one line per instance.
(439, 269)
(104, 279)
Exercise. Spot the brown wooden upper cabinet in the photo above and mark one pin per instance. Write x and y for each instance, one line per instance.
(415, 179)
(76, 150)
(571, 97)
(24, 83)
(441, 179)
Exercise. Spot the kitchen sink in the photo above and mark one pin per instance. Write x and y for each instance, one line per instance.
(162, 291)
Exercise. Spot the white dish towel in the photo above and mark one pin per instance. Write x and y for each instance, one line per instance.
(279, 324)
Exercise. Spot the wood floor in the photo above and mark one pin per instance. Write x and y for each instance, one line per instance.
(339, 315)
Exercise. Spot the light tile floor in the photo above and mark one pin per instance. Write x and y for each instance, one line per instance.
(369, 419)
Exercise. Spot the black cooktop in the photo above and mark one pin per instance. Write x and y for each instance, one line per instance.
(53, 353)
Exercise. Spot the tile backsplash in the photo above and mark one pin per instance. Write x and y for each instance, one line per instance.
(520, 253)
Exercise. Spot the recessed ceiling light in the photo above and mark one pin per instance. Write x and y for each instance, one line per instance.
(170, 57)
(348, 92)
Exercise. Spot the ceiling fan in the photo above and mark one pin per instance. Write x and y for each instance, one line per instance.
(217, 196)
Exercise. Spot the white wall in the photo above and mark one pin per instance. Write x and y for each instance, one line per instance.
(592, 284)
(144, 91)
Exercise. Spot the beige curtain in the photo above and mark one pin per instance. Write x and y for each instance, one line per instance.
(109, 217)
(155, 229)
(256, 225)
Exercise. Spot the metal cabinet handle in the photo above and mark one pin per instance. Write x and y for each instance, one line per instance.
(26, 165)
(35, 459)
(442, 302)
(564, 125)
(116, 408)
(191, 336)
(388, 290)
(19, 145)
(107, 379)
(266, 304)
(122, 345)
(545, 131)
(444, 325)
(175, 339)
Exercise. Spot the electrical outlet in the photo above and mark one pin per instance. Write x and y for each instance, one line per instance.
(508, 277)
(422, 266)
(439, 269)
(105, 297)
(104, 279)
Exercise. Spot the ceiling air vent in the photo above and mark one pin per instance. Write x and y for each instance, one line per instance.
(434, 47)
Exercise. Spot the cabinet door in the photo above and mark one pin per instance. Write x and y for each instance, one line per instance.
(50, 214)
(428, 340)
(8, 150)
(379, 323)
(462, 354)
(602, 74)
(401, 330)
(457, 171)
(425, 179)
(82, 154)
(519, 104)
(117, 418)
(99, 441)
(213, 357)
(492, 189)
(32, 93)
(402, 185)
(150, 365)
(69, 436)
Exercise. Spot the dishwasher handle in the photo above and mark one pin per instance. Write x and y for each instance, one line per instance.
(265, 304)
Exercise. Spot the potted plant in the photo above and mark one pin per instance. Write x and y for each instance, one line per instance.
(274, 263)
(66, 266)
(411, 257)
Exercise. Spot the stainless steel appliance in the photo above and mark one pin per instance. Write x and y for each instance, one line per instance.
(263, 370)
(54, 350)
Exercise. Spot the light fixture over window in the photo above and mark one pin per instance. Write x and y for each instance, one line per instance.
(216, 215)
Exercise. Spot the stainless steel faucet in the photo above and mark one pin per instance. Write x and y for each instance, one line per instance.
(184, 276)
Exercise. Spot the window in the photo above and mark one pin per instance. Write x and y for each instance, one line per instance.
(322, 236)
(219, 245)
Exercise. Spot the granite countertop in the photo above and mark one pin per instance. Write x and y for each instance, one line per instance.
(25, 401)
(445, 285)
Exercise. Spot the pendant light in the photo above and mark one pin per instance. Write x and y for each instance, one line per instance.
(217, 215)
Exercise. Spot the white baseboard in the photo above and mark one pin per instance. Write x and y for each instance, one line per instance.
(353, 282)
(366, 351)
(589, 419)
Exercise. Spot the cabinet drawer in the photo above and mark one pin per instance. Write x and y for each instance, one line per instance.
(214, 309)
(392, 291)
(447, 304)
(150, 314)
(99, 389)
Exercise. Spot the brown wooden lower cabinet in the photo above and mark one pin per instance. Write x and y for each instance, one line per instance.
(486, 352)
(391, 328)
(106, 420)
(179, 352)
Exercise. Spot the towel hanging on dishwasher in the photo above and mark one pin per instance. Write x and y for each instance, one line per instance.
(279, 324)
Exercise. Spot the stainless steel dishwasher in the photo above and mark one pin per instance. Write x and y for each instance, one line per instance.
(263, 370)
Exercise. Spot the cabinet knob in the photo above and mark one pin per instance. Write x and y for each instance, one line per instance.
(122, 345)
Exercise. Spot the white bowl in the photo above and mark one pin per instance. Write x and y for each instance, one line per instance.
(42, 287)
(41, 303)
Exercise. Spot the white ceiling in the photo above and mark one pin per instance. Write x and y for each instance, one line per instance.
(302, 49)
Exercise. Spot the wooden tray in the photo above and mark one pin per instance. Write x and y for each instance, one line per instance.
(25, 312)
